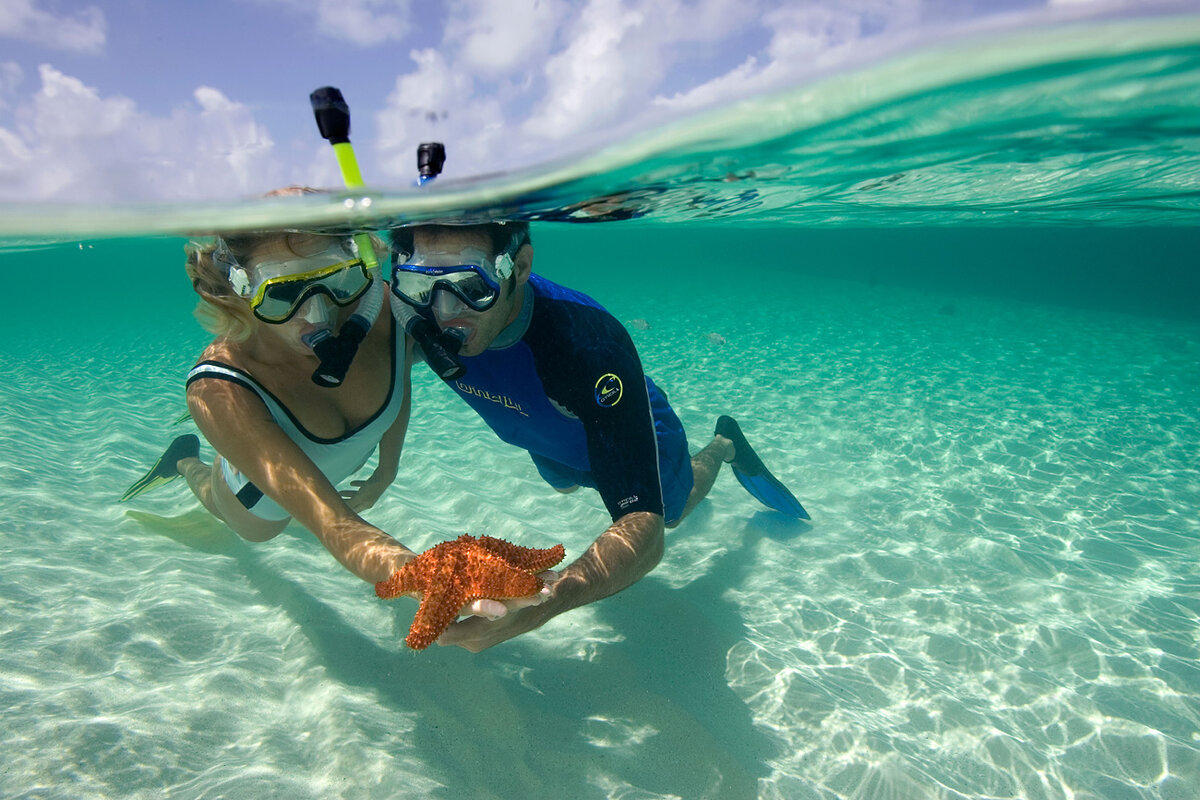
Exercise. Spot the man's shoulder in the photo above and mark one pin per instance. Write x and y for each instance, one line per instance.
(547, 291)
(566, 318)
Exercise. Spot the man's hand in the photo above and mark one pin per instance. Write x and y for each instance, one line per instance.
(630, 548)
(495, 621)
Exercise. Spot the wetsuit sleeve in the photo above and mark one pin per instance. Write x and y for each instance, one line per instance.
(596, 374)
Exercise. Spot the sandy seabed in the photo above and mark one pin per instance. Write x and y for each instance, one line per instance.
(997, 595)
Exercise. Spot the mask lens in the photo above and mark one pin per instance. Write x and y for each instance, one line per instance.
(415, 284)
(278, 299)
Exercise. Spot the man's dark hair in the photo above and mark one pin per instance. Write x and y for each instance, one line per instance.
(500, 234)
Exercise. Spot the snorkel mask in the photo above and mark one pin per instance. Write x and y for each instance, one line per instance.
(281, 287)
(284, 285)
(470, 275)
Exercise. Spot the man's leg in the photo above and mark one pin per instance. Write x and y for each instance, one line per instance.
(705, 466)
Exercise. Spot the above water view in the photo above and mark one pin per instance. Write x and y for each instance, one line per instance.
(953, 300)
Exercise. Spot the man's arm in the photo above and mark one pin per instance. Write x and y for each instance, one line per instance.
(621, 556)
(588, 364)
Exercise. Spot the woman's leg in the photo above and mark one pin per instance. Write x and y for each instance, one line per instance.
(210, 488)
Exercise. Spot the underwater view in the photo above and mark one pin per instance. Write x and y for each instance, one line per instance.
(954, 301)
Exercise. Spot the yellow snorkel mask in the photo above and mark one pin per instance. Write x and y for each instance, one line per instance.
(284, 285)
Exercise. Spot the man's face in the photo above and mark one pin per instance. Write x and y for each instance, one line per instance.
(481, 327)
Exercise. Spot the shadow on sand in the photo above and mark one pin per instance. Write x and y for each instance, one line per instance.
(653, 710)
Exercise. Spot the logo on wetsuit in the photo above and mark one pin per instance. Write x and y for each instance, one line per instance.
(609, 390)
(499, 399)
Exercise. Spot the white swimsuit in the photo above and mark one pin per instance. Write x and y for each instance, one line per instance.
(337, 458)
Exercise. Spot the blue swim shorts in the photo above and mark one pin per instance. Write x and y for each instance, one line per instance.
(674, 466)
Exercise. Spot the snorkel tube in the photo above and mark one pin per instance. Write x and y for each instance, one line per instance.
(337, 352)
(441, 349)
(431, 156)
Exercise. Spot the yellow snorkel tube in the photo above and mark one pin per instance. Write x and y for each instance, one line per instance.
(333, 120)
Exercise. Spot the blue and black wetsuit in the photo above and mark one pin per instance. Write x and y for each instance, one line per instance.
(564, 382)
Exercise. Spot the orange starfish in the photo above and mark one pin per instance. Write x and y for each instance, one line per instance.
(452, 574)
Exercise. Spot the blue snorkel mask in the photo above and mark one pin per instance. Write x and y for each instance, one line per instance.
(470, 275)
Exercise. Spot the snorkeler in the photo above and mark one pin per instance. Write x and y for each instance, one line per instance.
(552, 372)
(283, 442)
(285, 434)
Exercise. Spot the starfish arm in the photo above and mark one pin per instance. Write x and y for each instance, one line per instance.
(530, 559)
(434, 615)
(402, 581)
(490, 576)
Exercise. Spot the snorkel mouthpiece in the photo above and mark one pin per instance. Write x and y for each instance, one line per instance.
(440, 348)
(336, 353)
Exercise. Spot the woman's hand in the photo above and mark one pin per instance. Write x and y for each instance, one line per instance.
(367, 492)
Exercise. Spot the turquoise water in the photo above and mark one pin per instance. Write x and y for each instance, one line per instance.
(994, 419)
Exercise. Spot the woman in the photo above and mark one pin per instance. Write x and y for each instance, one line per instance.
(283, 441)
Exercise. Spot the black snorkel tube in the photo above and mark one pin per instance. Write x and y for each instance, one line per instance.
(439, 347)
(431, 156)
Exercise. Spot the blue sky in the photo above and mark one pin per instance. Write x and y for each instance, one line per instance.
(169, 99)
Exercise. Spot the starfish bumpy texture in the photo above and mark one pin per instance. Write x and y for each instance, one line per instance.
(452, 574)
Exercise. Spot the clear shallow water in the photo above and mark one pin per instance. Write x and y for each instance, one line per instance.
(995, 430)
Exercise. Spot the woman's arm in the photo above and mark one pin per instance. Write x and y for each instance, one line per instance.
(239, 427)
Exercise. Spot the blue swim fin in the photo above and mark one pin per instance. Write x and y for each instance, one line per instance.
(754, 476)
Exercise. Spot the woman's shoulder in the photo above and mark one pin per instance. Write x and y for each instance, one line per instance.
(221, 350)
(220, 357)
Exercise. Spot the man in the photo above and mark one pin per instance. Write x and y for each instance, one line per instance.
(552, 372)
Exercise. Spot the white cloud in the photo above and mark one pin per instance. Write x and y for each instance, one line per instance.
(595, 73)
(361, 22)
(732, 84)
(618, 53)
(505, 83)
(529, 80)
(804, 39)
(72, 144)
(499, 38)
(438, 102)
(84, 32)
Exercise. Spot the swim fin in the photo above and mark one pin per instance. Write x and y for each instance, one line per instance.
(753, 475)
(165, 470)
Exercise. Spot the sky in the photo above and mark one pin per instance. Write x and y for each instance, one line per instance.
(129, 101)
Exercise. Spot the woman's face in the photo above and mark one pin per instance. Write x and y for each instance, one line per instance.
(296, 254)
